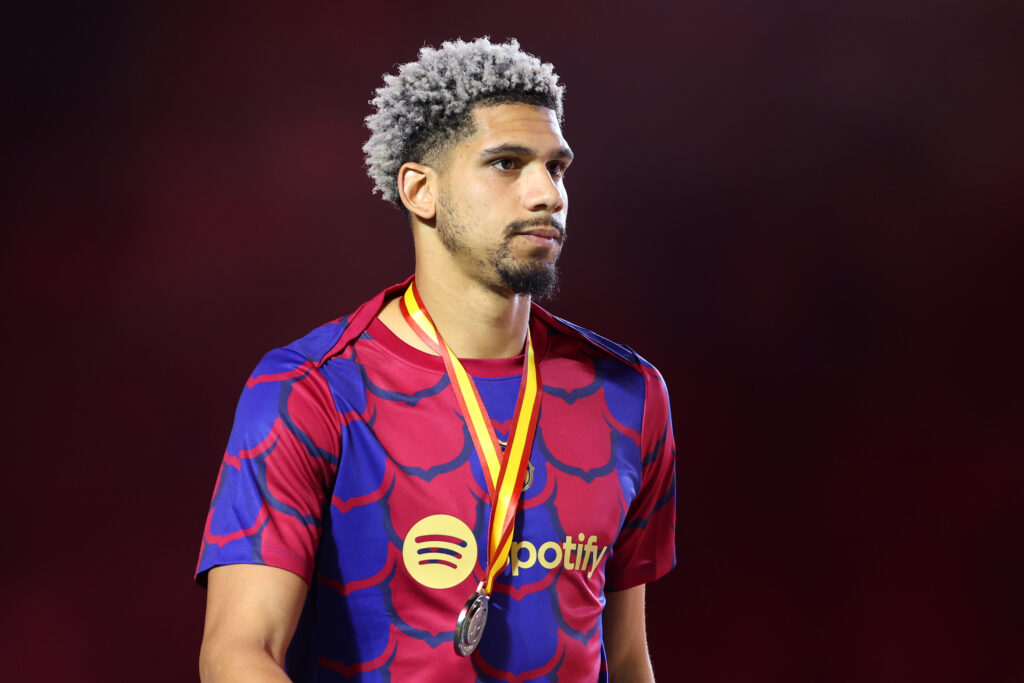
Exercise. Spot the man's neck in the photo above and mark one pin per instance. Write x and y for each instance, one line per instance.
(475, 321)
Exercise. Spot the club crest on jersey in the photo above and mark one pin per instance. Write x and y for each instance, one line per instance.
(528, 477)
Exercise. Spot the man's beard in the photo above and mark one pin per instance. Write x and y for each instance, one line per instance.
(536, 278)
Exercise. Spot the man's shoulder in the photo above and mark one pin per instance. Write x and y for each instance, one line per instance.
(312, 349)
(627, 377)
(593, 340)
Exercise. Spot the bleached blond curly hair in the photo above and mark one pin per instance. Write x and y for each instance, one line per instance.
(427, 106)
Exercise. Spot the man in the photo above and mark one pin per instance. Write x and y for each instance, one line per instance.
(450, 470)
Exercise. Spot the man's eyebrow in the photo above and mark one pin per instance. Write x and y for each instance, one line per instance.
(523, 151)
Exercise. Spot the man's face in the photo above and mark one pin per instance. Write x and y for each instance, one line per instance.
(502, 201)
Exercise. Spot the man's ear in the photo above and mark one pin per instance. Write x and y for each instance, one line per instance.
(417, 185)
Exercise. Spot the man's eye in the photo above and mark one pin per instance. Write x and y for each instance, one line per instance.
(505, 164)
(556, 169)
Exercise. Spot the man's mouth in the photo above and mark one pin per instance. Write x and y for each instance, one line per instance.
(545, 229)
(543, 232)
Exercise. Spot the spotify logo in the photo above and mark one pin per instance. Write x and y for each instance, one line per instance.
(439, 551)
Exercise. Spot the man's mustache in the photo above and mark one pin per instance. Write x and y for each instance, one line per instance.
(516, 227)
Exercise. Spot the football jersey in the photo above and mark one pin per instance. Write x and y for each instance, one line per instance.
(350, 464)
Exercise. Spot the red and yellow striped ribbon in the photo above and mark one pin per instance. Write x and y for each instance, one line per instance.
(504, 475)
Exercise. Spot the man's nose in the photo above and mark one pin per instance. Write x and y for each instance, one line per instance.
(542, 192)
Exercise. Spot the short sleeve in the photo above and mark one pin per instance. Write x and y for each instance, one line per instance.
(277, 471)
(645, 548)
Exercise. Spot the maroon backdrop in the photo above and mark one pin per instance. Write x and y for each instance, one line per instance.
(806, 214)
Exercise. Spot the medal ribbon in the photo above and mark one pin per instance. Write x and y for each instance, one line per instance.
(504, 476)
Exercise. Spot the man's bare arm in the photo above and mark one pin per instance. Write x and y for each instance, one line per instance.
(251, 614)
(625, 636)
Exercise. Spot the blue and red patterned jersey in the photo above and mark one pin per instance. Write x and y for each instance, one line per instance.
(350, 465)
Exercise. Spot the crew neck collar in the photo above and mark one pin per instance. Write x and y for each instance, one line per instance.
(478, 367)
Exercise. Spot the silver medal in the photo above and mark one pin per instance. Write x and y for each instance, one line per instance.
(470, 626)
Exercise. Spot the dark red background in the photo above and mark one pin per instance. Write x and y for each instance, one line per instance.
(806, 214)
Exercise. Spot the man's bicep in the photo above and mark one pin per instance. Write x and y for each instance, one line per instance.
(625, 635)
(251, 611)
